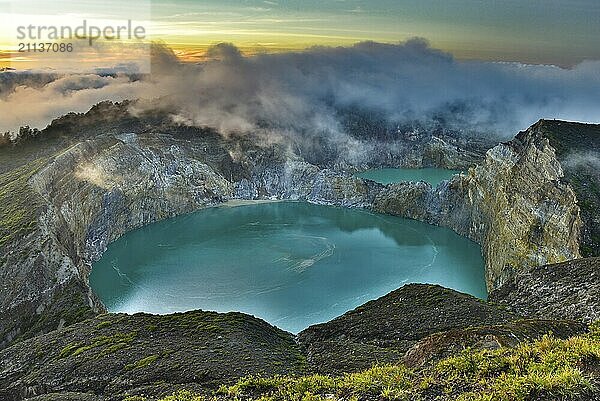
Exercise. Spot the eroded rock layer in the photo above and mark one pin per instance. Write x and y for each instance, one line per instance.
(516, 204)
(88, 179)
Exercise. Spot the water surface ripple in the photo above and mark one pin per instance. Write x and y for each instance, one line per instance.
(292, 264)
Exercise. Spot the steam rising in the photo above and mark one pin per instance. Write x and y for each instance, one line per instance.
(291, 93)
(589, 160)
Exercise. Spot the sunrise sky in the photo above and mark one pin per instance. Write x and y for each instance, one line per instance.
(562, 32)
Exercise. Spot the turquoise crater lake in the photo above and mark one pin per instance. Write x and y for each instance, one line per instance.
(291, 264)
(391, 175)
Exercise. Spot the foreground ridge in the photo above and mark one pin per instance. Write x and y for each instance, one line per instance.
(544, 369)
(404, 334)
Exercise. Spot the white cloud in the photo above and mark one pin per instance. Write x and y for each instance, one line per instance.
(300, 92)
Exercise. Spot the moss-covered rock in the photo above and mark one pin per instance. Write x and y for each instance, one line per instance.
(119, 355)
(67, 397)
(19, 203)
(381, 331)
(452, 342)
(544, 369)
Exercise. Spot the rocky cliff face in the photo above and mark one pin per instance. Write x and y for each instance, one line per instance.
(89, 195)
(297, 180)
(92, 178)
(516, 204)
(578, 151)
(72, 203)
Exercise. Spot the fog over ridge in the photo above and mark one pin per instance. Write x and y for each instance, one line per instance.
(408, 83)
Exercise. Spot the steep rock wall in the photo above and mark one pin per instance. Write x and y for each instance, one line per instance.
(74, 203)
(96, 190)
(515, 204)
(90, 194)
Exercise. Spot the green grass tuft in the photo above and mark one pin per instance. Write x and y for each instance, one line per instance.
(114, 343)
(142, 362)
(547, 368)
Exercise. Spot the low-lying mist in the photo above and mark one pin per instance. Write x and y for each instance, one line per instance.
(409, 84)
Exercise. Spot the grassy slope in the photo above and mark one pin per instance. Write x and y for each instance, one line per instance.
(113, 353)
(382, 330)
(547, 368)
(18, 203)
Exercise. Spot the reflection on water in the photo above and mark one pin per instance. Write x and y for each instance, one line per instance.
(292, 264)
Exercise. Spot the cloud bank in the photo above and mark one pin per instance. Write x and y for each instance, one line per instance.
(303, 93)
